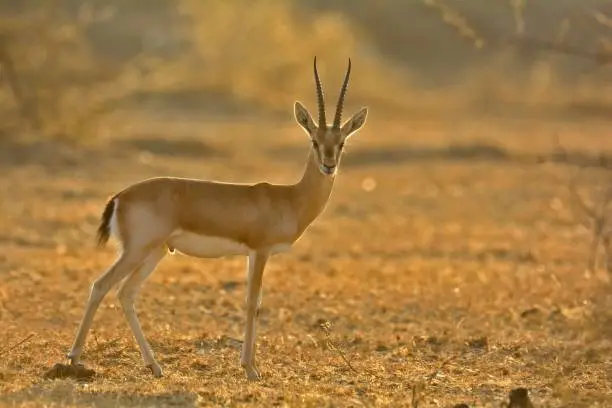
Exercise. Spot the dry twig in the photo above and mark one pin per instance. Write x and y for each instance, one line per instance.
(442, 365)
(326, 327)
(597, 217)
(14, 346)
(602, 58)
(594, 216)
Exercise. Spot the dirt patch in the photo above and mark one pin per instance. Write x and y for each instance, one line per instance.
(75, 371)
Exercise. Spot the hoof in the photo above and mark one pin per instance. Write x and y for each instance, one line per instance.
(73, 362)
(252, 374)
(73, 359)
(156, 370)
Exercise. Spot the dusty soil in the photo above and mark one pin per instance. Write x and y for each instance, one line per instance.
(448, 274)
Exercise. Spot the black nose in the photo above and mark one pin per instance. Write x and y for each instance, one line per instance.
(329, 169)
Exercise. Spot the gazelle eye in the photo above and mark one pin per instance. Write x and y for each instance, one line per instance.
(315, 144)
(341, 146)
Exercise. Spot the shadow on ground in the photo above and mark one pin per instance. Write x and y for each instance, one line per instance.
(66, 155)
(62, 154)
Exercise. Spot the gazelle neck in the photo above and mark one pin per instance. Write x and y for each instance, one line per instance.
(312, 192)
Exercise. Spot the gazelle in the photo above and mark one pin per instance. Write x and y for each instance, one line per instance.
(210, 219)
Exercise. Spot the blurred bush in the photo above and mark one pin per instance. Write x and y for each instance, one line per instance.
(67, 64)
(55, 85)
(259, 54)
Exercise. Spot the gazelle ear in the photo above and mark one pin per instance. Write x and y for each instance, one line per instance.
(304, 119)
(355, 123)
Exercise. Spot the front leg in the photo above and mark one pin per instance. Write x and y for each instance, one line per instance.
(257, 262)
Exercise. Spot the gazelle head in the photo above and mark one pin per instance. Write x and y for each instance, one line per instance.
(328, 141)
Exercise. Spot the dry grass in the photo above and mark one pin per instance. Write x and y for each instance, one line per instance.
(459, 273)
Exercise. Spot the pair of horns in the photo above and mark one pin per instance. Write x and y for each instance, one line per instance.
(338, 117)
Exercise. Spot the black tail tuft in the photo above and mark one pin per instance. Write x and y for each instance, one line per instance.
(104, 228)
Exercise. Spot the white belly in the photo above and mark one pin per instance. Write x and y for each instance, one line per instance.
(202, 246)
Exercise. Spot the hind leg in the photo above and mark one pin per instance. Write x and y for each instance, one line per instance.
(141, 230)
(127, 294)
(127, 262)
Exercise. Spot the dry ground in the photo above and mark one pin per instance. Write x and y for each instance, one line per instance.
(457, 272)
